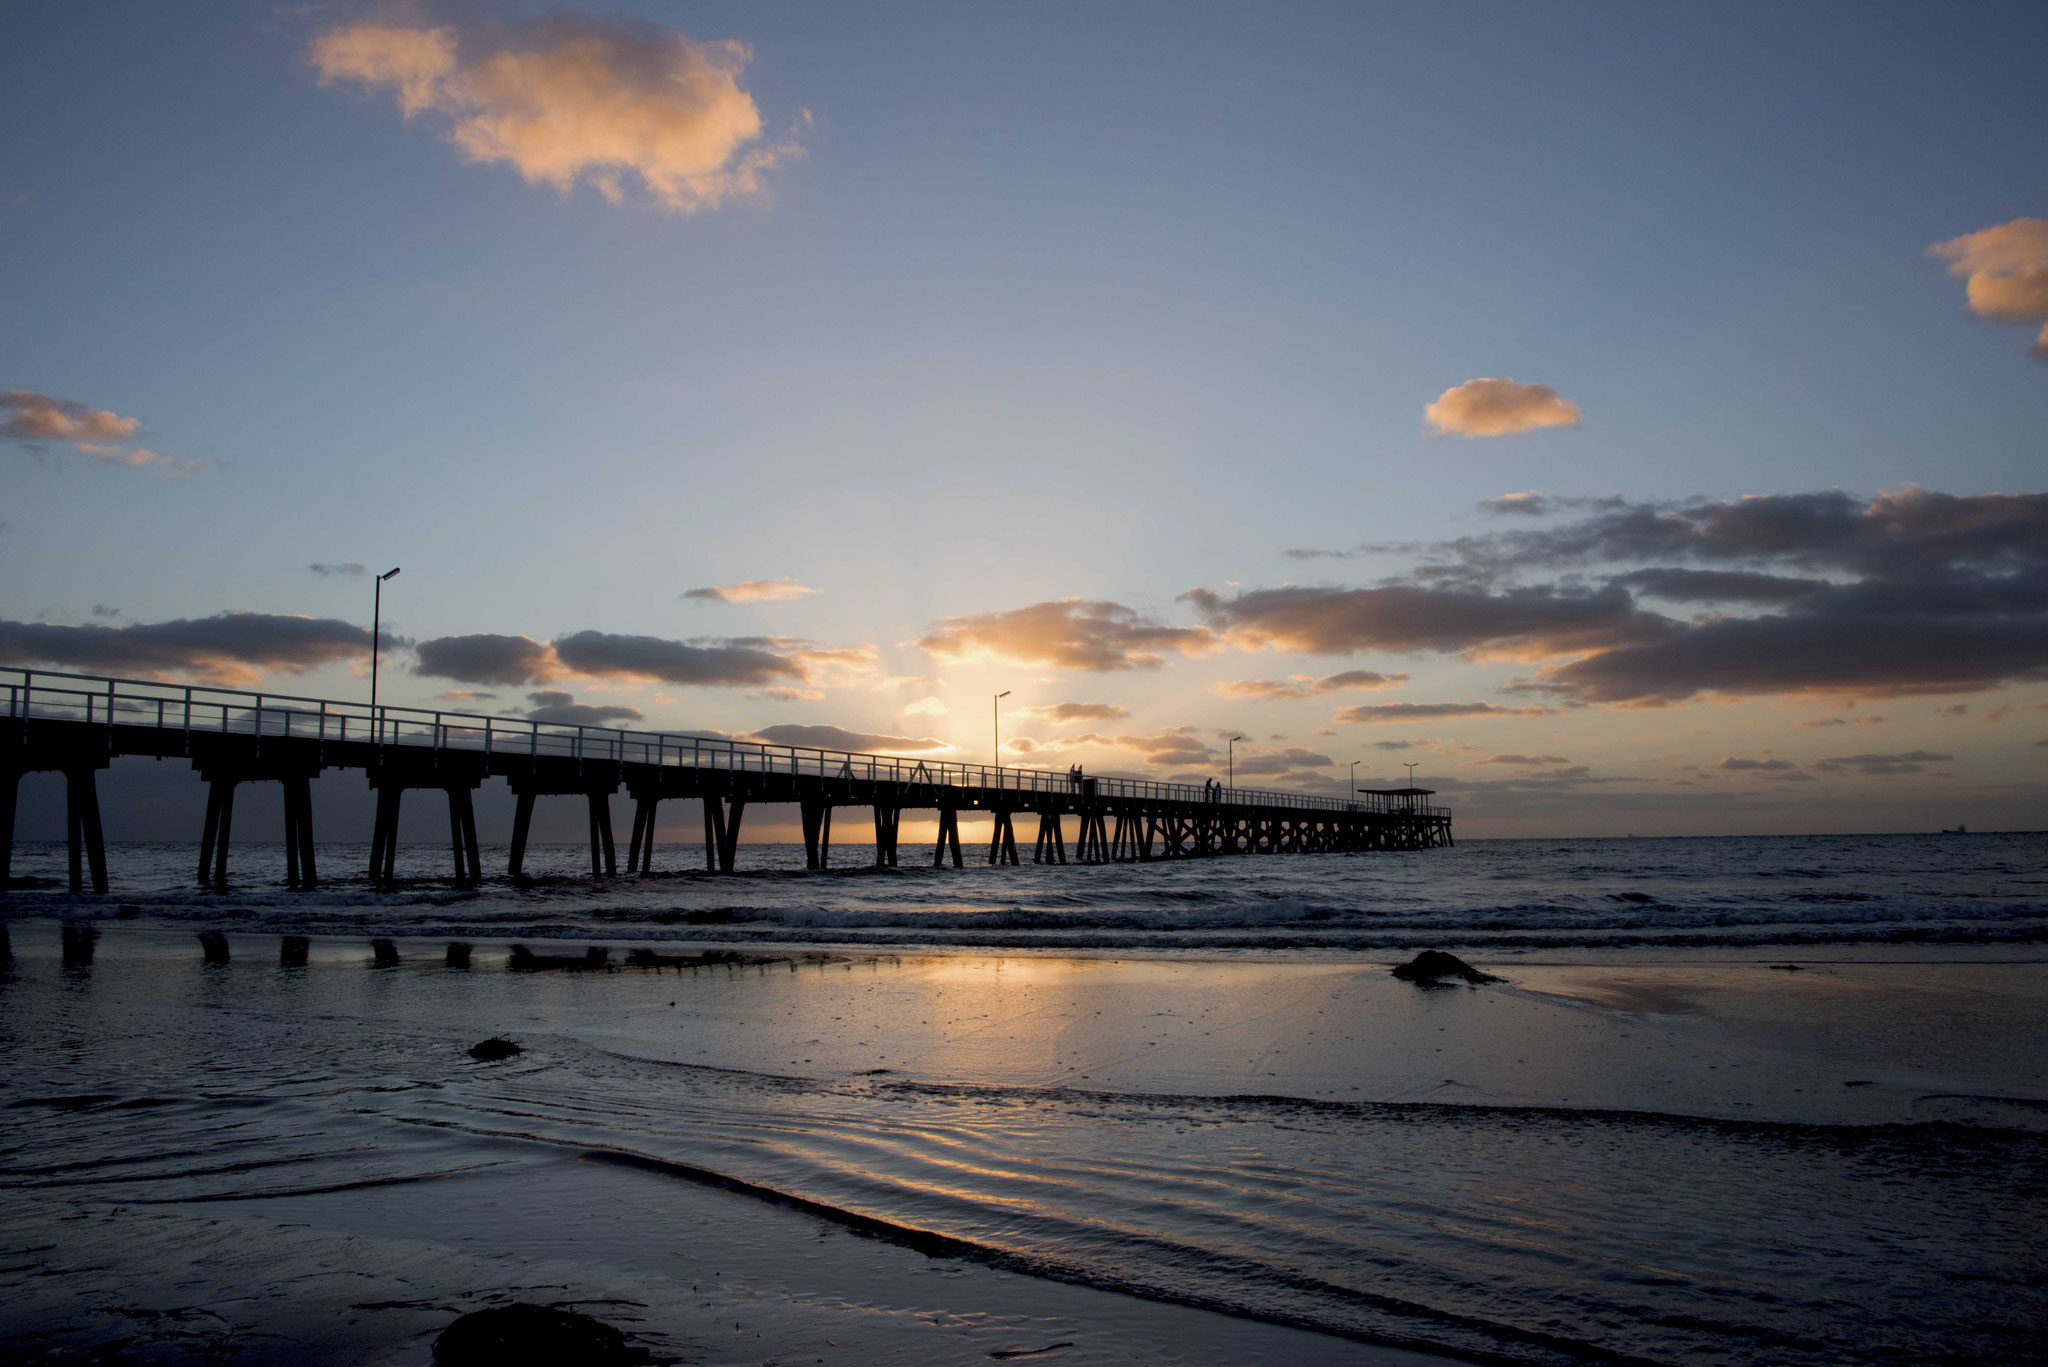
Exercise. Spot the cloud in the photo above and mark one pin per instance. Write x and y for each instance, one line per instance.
(230, 649)
(1762, 766)
(553, 705)
(466, 695)
(1533, 503)
(1499, 408)
(1525, 759)
(784, 693)
(1283, 763)
(1306, 685)
(2007, 273)
(1069, 633)
(484, 658)
(1429, 711)
(33, 418)
(925, 707)
(1906, 762)
(30, 416)
(751, 591)
(564, 99)
(1926, 593)
(740, 661)
(839, 738)
(1078, 711)
(348, 569)
(1836, 721)
(1176, 745)
(1719, 586)
(1529, 623)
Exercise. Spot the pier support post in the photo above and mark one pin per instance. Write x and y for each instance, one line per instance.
(604, 852)
(1002, 840)
(640, 853)
(384, 834)
(729, 834)
(213, 838)
(10, 791)
(522, 826)
(887, 820)
(949, 838)
(1051, 847)
(88, 843)
(462, 836)
(817, 824)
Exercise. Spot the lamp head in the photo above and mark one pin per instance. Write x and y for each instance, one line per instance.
(391, 573)
(1004, 694)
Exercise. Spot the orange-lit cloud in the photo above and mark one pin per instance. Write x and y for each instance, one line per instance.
(2006, 268)
(1433, 711)
(839, 738)
(564, 98)
(1306, 685)
(751, 591)
(1499, 408)
(29, 417)
(1078, 711)
(1069, 633)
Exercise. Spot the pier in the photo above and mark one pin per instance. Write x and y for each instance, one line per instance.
(77, 725)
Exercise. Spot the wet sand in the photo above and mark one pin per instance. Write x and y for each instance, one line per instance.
(366, 1213)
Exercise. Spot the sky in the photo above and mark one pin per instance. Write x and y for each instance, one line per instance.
(1631, 415)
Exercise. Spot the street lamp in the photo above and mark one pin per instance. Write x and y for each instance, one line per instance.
(995, 717)
(1354, 775)
(1233, 759)
(377, 632)
(1411, 772)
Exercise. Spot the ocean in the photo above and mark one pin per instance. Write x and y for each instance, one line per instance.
(1775, 1100)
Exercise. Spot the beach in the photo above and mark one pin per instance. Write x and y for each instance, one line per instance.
(862, 1153)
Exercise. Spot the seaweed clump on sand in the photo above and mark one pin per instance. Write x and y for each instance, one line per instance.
(519, 1334)
(493, 1049)
(1434, 968)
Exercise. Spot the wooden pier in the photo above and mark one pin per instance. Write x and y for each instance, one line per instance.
(78, 724)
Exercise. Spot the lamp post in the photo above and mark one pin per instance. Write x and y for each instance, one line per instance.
(1411, 772)
(995, 720)
(1354, 776)
(1233, 759)
(377, 633)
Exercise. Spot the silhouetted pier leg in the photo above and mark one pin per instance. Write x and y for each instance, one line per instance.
(384, 953)
(1002, 840)
(291, 837)
(949, 838)
(522, 824)
(604, 852)
(714, 832)
(811, 815)
(640, 853)
(729, 835)
(209, 833)
(223, 832)
(79, 940)
(384, 835)
(302, 788)
(291, 951)
(7, 944)
(1051, 847)
(887, 821)
(10, 791)
(825, 838)
(458, 955)
(81, 797)
(213, 946)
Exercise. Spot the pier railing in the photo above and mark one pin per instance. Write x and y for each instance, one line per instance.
(98, 700)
